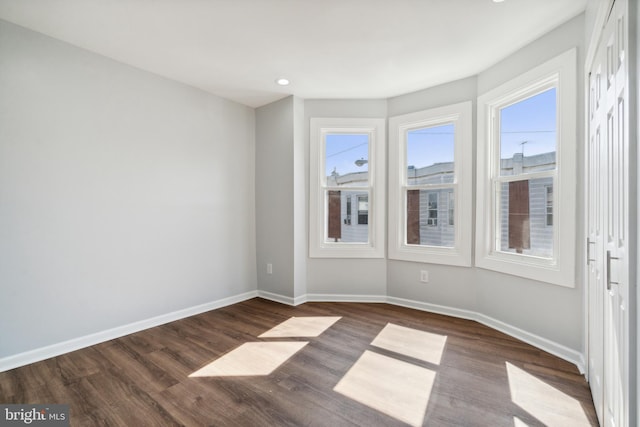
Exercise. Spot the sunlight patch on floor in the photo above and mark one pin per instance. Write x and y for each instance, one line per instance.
(253, 358)
(393, 387)
(410, 342)
(301, 327)
(543, 401)
(517, 422)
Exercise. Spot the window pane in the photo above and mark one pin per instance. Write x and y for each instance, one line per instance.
(346, 159)
(363, 209)
(347, 216)
(428, 221)
(549, 204)
(528, 135)
(430, 154)
(451, 208)
(524, 222)
(432, 209)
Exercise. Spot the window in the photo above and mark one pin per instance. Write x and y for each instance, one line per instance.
(527, 140)
(363, 210)
(452, 205)
(549, 193)
(432, 209)
(430, 175)
(346, 168)
(526, 149)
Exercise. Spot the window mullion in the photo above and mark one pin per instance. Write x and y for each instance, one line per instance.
(433, 187)
(343, 188)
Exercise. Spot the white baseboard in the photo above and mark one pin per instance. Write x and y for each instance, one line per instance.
(549, 346)
(282, 299)
(433, 308)
(345, 298)
(537, 341)
(57, 349)
(43, 353)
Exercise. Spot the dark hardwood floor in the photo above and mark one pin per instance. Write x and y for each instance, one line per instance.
(484, 378)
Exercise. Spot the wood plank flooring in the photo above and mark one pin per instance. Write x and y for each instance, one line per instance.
(484, 378)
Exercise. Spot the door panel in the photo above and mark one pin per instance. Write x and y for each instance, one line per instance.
(607, 223)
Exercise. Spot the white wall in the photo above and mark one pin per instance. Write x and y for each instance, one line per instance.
(300, 186)
(282, 183)
(120, 194)
(562, 309)
(121, 199)
(547, 311)
(448, 93)
(634, 70)
(279, 188)
(342, 277)
(540, 311)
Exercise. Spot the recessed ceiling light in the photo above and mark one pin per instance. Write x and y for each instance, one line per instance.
(498, 1)
(282, 82)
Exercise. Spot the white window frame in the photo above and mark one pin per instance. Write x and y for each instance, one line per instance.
(559, 72)
(319, 247)
(460, 115)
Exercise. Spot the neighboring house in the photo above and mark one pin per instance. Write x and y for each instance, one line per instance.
(526, 208)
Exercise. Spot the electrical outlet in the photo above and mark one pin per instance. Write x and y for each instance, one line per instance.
(269, 268)
(424, 276)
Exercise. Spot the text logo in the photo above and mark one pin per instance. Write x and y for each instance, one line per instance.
(34, 415)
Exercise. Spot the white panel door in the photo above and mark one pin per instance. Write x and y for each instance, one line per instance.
(608, 223)
(595, 241)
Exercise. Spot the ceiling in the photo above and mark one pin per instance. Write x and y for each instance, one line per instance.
(326, 48)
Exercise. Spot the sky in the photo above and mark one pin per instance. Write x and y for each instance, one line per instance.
(532, 122)
(424, 147)
(428, 146)
(342, 151)
(528, 127)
